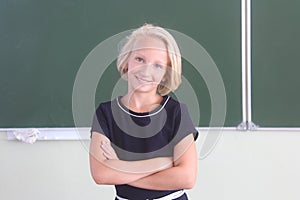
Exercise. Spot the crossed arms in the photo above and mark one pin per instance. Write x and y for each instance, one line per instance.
(163, 173)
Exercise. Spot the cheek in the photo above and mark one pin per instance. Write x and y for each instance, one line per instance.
(159, 75)
(132, 65)
(132, 68)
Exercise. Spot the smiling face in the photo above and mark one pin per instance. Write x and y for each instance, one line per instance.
(147, 65)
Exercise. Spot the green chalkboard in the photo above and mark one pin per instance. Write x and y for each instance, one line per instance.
(275, 64)
(44, 43)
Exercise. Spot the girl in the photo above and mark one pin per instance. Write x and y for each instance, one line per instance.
(143, 142)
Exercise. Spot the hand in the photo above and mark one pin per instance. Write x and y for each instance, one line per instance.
(108, 151)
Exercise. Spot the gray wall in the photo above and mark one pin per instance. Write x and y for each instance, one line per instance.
(243, 165)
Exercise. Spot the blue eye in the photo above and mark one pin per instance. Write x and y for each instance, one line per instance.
(139, 59)
(158, 66)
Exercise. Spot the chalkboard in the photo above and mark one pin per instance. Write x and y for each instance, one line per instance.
(44, 43)
(275, 63)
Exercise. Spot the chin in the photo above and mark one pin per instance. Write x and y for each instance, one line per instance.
(146, 88)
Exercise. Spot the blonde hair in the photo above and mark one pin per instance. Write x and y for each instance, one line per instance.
(173, 77)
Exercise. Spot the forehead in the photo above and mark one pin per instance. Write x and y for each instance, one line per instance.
(149, 43)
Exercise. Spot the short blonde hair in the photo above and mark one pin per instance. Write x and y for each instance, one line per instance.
(173, 76)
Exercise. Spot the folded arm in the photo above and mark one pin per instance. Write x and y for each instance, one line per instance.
(115, 171)
(181, 176)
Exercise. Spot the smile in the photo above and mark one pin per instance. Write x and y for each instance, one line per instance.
(144, 80)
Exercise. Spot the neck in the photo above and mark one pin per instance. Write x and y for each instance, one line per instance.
(141, 102)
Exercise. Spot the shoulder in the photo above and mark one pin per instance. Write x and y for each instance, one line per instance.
(173, 105)
(105, 107)
(182, 120)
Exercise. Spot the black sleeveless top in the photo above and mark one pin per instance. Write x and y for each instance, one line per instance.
(139, 136)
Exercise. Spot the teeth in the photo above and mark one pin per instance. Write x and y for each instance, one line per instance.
(144, 80)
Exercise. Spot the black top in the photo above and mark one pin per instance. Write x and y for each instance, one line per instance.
(137, 136)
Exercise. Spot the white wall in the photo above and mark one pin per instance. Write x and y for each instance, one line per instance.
(243, 165)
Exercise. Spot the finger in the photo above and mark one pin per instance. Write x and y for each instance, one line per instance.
(108, 150)
(107, 156)
(108, 147)
(104, 144)
(105, 149)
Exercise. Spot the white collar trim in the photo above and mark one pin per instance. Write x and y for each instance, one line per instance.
(149, 115)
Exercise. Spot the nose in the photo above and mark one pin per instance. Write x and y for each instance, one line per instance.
(147, 69)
